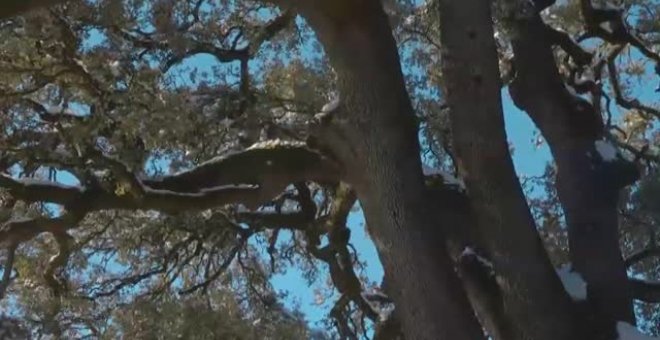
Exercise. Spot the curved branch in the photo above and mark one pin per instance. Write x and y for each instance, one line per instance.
(271, 29)
(616, 86)
(609, 24)
(223, 267)
(274, 163)
(250, 177)
(52, 115)
(31, 190)
(336, 254)
(641, 255)
(17, 231)
(7, 269)
(639, 153)
(64, 242)
(645, 290)
(563, 40)
(128, 282)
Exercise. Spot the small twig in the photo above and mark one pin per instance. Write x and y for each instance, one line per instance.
(7, 269)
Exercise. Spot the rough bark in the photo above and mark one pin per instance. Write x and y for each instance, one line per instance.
(588, 187)
(533, 295)
(456, 226)
(459, 225)
(385, 168)
(236, 178)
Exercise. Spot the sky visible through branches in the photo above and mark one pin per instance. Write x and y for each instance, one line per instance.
(530, 157)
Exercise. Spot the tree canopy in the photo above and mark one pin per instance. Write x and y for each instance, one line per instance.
(163, 160)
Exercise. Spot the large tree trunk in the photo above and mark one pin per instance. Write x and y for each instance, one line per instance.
(588, 187)
(532, 293)
(379, 146)
(459, 226)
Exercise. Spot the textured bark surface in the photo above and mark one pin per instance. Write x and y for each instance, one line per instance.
(588, 187)
(459, 225)
(533, 295)
(386, 169)
(373, 135)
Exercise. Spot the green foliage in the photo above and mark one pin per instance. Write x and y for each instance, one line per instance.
(162, 86)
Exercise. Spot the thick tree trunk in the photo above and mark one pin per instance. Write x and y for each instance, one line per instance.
(459, 226)
(588, 187)
(380, 148)
(532, 293)
(456, 225)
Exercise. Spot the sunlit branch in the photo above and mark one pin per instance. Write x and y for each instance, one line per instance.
(64, 243)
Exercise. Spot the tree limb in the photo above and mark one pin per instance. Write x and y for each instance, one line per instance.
(57, 261)
(7, 268)
(528, 283)
(588, 189)
(629, 104)
(573, 49)
(220, 270)
(274, 164)
(17, 231)
(251, 177)
(642, 255)
(610, 25)
(31, 191)
(645, 290)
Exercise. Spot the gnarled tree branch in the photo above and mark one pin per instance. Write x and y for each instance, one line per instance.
(251, 177)
(645, 290)
(642, 255)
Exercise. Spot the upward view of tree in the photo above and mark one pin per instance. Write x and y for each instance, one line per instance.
(163, 160)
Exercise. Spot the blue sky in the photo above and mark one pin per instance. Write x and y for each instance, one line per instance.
(529, 160)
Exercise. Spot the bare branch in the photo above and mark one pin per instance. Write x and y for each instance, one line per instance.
(642, 255)
(275, 164)
(170, 201)
(610, 25)
(645, 290)
(31, 190)
(639, 153)
(64, 243)
(7, 269)
(50, 115)
(271, 29)
(336, 254)
(128, 281)
(223, 267)
(616, 86)
(17, 231)
(573, 49)
(251, 177)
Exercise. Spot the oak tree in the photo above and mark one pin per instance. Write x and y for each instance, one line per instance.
(163, 159)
